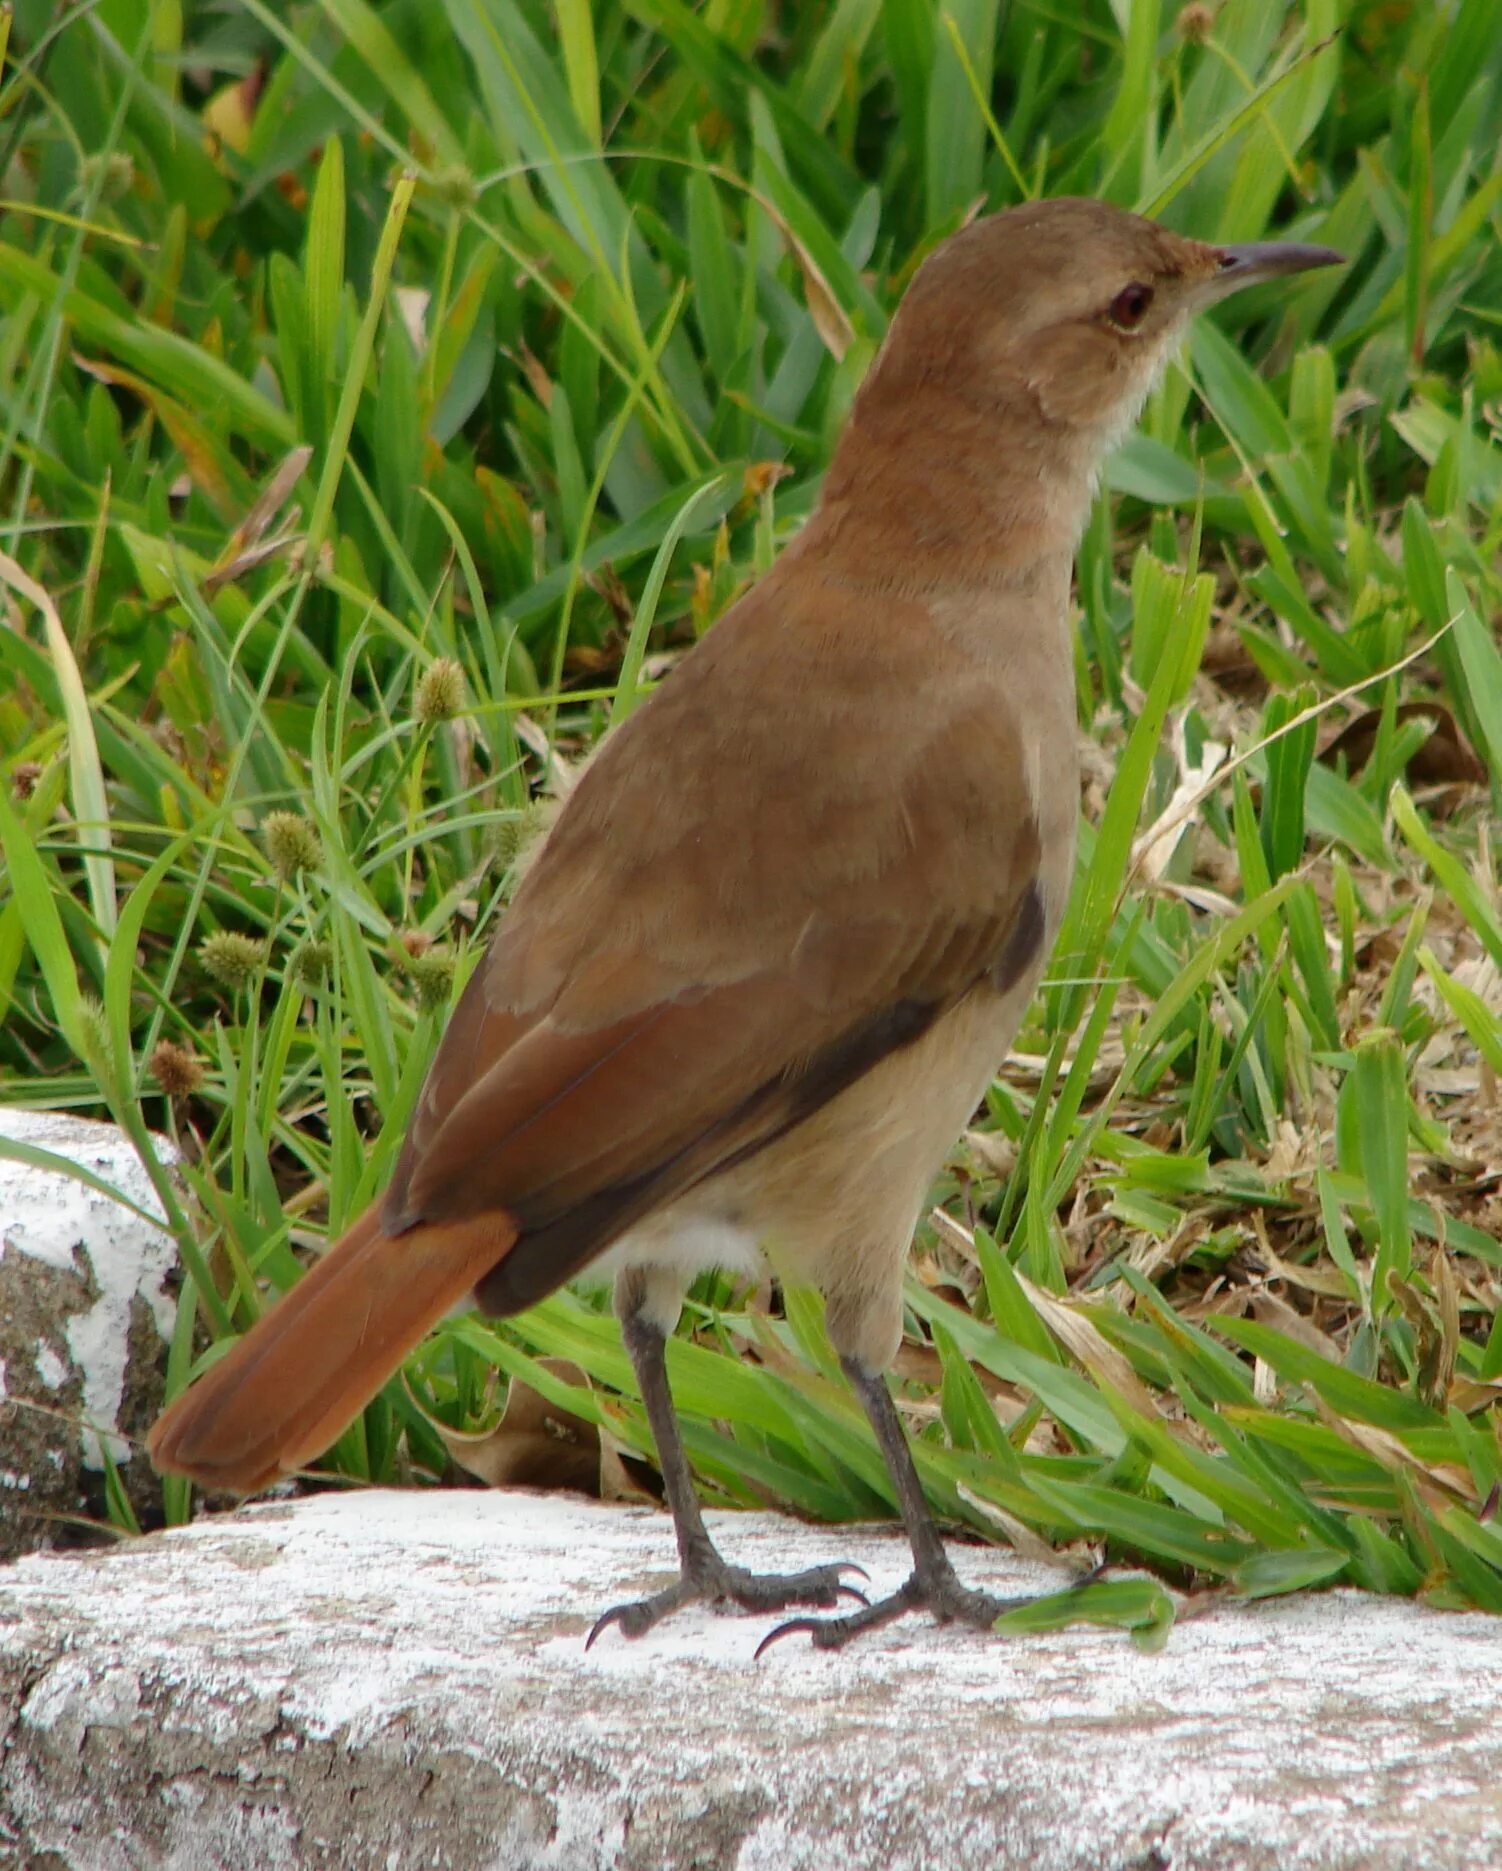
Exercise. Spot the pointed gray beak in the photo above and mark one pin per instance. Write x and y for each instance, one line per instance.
(1264, 259)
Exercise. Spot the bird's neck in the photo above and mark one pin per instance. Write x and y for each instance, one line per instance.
(940, 490)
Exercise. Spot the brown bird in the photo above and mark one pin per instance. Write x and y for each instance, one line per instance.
(783, 932)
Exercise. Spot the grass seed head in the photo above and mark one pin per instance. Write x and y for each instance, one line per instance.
(291, 843)
(177, 1069)
(312, 962)
(440, 692)
(232, 958)
(432, 974)
(1195, 22)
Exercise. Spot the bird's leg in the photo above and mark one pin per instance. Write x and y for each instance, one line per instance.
(704, 1576)
(933, 1584)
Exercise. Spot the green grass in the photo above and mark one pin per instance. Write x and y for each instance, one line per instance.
(389, 393)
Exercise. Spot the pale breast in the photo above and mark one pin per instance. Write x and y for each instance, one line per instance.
(833, 1203)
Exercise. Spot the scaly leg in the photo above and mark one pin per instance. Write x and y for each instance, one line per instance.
(933, 1584)
(704, 1576)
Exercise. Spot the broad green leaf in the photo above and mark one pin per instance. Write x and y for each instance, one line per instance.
(1138, 1606)
(1270, 1574)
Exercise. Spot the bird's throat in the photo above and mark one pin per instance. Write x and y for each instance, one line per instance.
(989, 500)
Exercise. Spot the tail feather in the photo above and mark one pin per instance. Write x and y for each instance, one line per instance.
(297, 1379)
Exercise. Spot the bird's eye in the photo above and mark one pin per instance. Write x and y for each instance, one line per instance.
(1128, 309)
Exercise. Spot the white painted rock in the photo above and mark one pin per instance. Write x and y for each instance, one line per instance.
(84, 1320)
(400, 1680)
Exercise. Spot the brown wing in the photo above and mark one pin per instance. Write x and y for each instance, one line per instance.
(734, 918)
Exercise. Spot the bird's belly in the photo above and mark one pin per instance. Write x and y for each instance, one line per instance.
(833, 1203)
(696, 1233)
(857, 1171)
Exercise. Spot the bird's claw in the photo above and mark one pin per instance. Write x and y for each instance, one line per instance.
(942, 1594)
(722, 1587)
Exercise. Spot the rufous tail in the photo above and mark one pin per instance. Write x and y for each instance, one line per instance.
(302, 1374)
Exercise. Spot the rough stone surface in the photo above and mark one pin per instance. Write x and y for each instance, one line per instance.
(400, 1680)
(84, 1321)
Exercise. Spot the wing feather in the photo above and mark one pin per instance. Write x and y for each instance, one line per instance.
(717, 940)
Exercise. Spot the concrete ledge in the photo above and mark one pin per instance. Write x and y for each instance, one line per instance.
(400, 1680)
(85, 1319)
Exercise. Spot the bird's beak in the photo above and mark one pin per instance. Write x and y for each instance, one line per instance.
(1257, 260)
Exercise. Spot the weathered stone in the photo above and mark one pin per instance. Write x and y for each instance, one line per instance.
(84, 1323)
(400, 1680)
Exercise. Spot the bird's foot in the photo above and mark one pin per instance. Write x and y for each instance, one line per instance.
(935, 1589)
(709, 1580)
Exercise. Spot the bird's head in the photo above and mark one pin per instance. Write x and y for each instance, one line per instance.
(1022, 351)
(1073, 306)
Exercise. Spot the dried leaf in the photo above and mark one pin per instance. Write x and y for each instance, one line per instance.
(1154, 849)
(1445, 759)
(1441, 1483)
(823, 308)
(1270, 1310)
(538, 1445)
(412, 308)
(229, 115)
(186, 430)
(1018, 1535)
(269, 502)
(1082, 1339)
